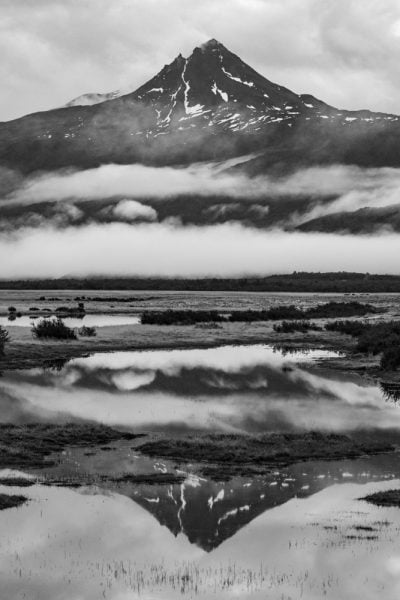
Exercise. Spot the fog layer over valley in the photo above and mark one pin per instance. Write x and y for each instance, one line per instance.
(334, 198)
(159, 249)
(205, 219)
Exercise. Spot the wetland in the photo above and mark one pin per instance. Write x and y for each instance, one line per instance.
(235, 460)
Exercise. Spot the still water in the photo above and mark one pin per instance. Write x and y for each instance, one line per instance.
(249, 389)
(296, 532)
(98, 320)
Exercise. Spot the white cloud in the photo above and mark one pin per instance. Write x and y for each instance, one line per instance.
(135, 181)
(131, 210)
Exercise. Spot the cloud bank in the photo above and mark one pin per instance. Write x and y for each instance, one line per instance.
(157, 249)
(337, 188)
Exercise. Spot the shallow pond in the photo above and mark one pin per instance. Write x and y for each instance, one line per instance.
(96, 320)
(232, 388)
(295, 532)
(92, 543)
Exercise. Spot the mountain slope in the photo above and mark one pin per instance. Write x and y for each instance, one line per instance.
(209, 105)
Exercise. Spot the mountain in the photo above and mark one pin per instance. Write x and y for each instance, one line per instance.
(210, 105)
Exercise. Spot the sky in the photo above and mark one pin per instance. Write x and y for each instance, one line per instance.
(345, 52)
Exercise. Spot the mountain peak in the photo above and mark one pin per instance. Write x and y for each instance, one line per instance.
(211, 45)
(210, 95)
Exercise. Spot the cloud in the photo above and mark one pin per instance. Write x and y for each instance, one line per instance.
(337, 188)
(157, 249)
(132, 210)
(134, 181)
(354, 187)
(345, 52)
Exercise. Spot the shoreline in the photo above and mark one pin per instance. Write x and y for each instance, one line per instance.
(23, 351)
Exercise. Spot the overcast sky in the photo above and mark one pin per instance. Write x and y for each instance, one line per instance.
(347, 52)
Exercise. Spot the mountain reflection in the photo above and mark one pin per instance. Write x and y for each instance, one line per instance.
(209, 512)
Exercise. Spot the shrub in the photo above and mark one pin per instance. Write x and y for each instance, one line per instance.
(4, 338)
(391, 357)
(353, 328)
(12, 309)
(87, 331)
(53, 328)
(63, 309)
(33, 308)
(273, 314)
(291, 326)
(340, 309)
(377, 338)
(181, 317)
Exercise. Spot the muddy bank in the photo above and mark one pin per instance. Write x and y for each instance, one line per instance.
(225, 455)
(385, 498)
(8, 501)
(29, 446)
(25, 352)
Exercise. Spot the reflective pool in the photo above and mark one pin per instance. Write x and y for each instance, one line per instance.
(232, 388)
(99, 320)
(99, 524)
(90, 544)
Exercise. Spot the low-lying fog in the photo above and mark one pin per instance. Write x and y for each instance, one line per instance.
(157, 249)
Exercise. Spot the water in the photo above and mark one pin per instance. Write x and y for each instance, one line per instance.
(92, 544)
(245, 389)
(294, 532)
(96, 320)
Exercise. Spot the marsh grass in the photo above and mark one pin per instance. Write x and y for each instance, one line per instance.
(292, 326)
(275, 313)
(376, 338)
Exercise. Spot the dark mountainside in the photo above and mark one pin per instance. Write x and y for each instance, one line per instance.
(208, 106)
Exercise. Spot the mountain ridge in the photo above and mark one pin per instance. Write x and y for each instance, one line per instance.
(211, 105)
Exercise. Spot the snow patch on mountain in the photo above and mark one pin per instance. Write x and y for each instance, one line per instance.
(249, 83)
(216, 91)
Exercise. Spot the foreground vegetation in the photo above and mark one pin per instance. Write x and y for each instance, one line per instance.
(223, 455)
(378, 338)
(4, 338)
(275, 313)
(30, 445)
(53, 328)
(292, 326)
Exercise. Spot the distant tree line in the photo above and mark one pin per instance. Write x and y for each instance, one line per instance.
(337, 282)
